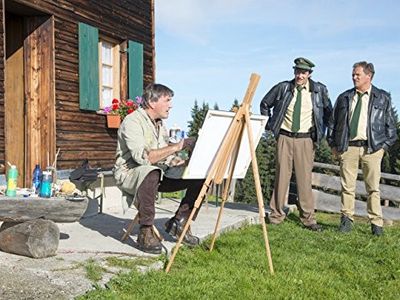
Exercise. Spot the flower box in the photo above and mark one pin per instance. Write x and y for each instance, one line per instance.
(113, 121)
(118, 110)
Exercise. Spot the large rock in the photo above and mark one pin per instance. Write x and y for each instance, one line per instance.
(36, 238)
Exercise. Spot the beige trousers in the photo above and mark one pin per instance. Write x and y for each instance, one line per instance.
(297, 152)
(371, 168)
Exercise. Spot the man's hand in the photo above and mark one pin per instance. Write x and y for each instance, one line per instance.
(157, 155)
(177, 161)
(189, 143)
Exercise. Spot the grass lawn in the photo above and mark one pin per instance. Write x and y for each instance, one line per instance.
(308, 265)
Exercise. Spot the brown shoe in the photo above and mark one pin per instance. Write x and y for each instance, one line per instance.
(147, 240)
(175, 227)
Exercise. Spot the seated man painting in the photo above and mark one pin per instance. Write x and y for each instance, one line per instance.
(147, 164)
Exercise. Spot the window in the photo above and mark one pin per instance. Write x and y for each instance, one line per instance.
(109, 72)
(100, 78)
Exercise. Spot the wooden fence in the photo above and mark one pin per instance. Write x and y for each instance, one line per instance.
(327, 189)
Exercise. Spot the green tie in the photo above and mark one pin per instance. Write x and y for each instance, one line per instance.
(297, 110)
(356, 116)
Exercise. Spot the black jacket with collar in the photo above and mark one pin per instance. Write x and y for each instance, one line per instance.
(381, 127)
(279, 98)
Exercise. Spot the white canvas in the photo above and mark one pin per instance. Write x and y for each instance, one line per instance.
(210, 138)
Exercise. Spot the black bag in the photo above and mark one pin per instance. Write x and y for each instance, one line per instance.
(83, 176)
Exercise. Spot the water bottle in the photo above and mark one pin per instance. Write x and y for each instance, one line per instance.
(184, 153)
(45, 186)
(36, 178)
(12, 176)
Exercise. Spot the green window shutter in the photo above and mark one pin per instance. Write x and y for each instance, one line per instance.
(135, 69)
(88, 67)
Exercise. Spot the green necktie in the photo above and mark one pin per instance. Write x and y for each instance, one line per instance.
(356, 116)
(297, 110)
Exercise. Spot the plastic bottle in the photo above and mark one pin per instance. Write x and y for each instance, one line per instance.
(12, 176)
(36, 178)
(45, 186)
(184, 153)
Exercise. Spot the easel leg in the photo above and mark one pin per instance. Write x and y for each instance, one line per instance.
(217, 224)
(258, 190)
(227, 185)
(197, 204)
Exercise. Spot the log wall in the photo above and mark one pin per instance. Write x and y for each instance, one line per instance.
(2, 53)
(82, 134)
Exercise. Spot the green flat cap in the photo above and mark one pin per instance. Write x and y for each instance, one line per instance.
(303, 63)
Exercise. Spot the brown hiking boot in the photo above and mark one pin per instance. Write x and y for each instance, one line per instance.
(147, 240)
(175, 227)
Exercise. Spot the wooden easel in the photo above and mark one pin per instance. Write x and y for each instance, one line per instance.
(228, 152)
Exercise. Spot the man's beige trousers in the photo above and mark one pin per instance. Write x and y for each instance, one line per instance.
(371, 168)
(297, 152)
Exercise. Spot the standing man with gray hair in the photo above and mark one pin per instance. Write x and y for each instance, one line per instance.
(362, 129)
(301, 111)
(147, 164)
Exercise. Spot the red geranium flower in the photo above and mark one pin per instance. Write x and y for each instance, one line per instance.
(123, 108)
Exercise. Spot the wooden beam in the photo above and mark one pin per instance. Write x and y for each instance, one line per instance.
(387, 192)
(331, 203)
(337, 168)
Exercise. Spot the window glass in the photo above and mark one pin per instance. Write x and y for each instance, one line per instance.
(109, 72)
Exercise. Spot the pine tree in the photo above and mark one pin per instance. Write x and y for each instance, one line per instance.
(265, 153)
(393, 154)
(198, 116)
(235, 105)
(323, 153)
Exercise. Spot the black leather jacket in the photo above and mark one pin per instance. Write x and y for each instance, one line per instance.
(279, 98)
(381, 128)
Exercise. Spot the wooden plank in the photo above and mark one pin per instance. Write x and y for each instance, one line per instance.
(73, 164)
(17, 209)
(68, 155)
(14, 125)
(331, 203)
(387, 192)
(337, 168)
(40, 94)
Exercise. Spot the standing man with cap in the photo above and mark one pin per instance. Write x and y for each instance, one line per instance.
(301, 111)
(363, 127)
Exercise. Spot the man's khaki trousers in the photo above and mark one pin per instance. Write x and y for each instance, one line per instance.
(371, 168)
(297, 152)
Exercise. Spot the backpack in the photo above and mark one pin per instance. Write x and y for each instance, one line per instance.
(83, 176)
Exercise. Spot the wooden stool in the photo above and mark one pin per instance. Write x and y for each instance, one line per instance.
(133, 223)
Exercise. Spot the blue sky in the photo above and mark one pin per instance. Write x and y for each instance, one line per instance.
(207, 49)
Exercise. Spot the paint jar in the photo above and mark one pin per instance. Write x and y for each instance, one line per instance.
(45, 186)
(12, 176)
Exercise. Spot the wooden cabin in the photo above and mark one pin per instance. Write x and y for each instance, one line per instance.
(61, 62)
